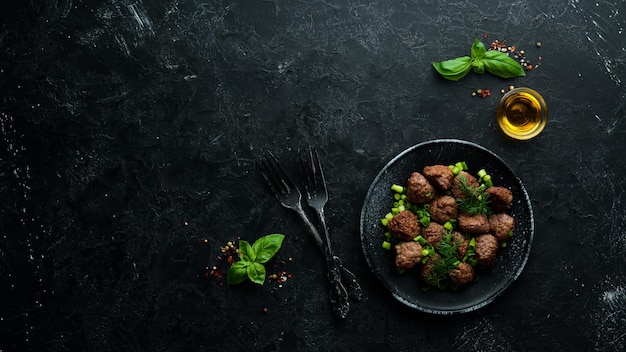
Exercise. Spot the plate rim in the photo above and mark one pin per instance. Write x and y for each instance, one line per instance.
(493, 296)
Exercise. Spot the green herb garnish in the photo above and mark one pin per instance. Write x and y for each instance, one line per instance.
(493, 61)
(252, 259)
(443, 264)
(476, 200)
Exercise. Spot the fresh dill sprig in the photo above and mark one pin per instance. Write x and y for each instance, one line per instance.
(476, 200)
(446, 262)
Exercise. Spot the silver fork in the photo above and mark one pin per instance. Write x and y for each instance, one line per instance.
(289, 196)
(314, 184)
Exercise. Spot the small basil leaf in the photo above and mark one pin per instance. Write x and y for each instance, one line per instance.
(478, 66)
(237, 273)
(478, 50)
(266, 246)
(502, 65)
(246, 251)
(256, 273)
(454, 69)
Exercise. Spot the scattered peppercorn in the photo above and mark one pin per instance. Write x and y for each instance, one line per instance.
(538, 44)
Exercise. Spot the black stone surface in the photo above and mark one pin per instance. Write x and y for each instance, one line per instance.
(129, 136)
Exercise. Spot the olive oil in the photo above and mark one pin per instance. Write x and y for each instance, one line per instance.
(522, 113)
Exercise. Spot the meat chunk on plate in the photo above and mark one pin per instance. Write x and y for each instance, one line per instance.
(486, 249)
(461, 243)
(433, 233)
(463, 178)
(418, 189)
(408, 254)
(500, 198)
(502, 226)
(462, 274)
(439, 176)
(442, 209)
(404, 226)
(474, 224)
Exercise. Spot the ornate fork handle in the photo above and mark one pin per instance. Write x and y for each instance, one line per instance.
(339, 296)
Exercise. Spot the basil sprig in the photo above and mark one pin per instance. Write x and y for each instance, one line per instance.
(252, 259)
(493, 61)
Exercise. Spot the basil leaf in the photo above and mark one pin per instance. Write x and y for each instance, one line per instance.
(454, 69)
(256, 273)
(266, 246)
(478, 50)
(502, 65)
(237, 273)
(246, 251)
(478, 66)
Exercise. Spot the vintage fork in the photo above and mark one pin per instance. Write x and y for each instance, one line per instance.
(289, 196)
(314, 184)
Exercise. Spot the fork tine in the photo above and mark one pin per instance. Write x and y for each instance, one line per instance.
(275, 176)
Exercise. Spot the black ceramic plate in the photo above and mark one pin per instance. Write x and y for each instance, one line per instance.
(406, 287)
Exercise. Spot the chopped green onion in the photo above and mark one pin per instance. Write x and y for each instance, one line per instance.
(401, 208)
(388, 216)
(387, 235)
(397, 188)
(455, 170)
(426, 206)
(488, 183)
(456, 263)
(425, 252)
(510, 233)
(503, 244)
(395, 211)
(472, 242)
(397, 196)
(448, 225)
(482, 173)
(384, 221)
(386, 245)
(486, 178)
(420, 239)
(425, 221)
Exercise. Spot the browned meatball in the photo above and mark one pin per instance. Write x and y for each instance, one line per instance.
(408, 254)
(470, 181)
(500, 198)
(486, 249)
(462, 244)
(501, 224)
(439, 176)
(404, 226)
(462, 274)
(433, 233)
(474, 224)
(418, 189)
(426, 273)
(442, 209)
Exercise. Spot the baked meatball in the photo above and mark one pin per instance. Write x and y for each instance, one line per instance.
(501, 224)
(426, 273)
(486, 249)
(462, 274)
(473, 224)
(470, 181)
(500, 198)
(408, 254)
(418, 189)
(404, 226)
(442, 209)
(462, 244)
(433, 233)
(439, 176)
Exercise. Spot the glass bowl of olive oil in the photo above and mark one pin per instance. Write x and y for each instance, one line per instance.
(522, 113)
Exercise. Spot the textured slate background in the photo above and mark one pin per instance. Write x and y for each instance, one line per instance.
(129, 136)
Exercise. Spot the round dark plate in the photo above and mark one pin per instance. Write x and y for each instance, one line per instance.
(406, 287)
